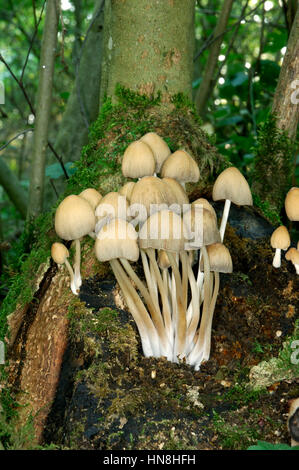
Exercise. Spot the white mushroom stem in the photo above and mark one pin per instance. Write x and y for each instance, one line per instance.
(184, 261)
(149, 280)
(277, 258)
(163, 292)
(196, 353)
(195, 307)
(296, 266)
(77, 262)
(181, 324)
(148, 333)
(224, 218)
(207, 340)
(71, 272)
(156, 315)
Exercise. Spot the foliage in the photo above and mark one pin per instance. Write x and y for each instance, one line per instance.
(272, 166)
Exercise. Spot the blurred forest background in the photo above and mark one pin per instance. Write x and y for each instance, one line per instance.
(240, 92)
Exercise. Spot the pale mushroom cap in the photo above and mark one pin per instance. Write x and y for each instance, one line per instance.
(126, 190)
(179, 194)
(163, 260)
(138, 160)
(280, 238)
(232, 185)
(159, 148)
(181, 166)
(205, 204)
(59, 252)
(202, 224)
(292, 204)
(147, 192)
(74, 218)
(164, 230)
(92, 196)
(117, 239)
(220, 258)
(114, 205)
(293, 255)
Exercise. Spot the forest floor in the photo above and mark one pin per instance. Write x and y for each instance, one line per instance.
(115, 398)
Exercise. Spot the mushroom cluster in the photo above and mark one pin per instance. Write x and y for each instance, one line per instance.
(280, 238)
(150, 224)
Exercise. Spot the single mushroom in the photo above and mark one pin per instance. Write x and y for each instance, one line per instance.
(182, 167)
(92, 196)
(126, 190)
(220, 262)
(118, 240)
(231, 186)
(292, 204)
(74, 218)
(179, 202)
(111, 206)
(138, 160)
(60, 253)
(149, 195)
(293, 255)
(280, 240)
(159, 148)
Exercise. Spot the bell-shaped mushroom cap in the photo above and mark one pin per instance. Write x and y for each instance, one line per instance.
(205, 204)
(113, 205)
(179, 195)
(138, 160)
(74, 218)
(59, 252)
(232, 185)
(180, 166)
(159, 147)
(117, 239)
(148, 193)
(280, 238)
(220, 258)
(292, 204)
(293, 255)
(163, 260)
(92, 196)
(126, 190)
(163, 230)
(202, 226)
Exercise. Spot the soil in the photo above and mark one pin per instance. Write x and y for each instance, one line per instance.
(111, 397)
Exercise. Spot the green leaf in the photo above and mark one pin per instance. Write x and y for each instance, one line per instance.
(263, 445)
(239, 79)
(55, 170)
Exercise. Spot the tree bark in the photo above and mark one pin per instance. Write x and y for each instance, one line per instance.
(14, 190)
(286, 99)
(205, 87)
(43, 108)
(148, 47)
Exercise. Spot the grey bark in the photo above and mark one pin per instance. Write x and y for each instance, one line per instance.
(286, 98)
(205, 89)
(43, 108)
(148, 47)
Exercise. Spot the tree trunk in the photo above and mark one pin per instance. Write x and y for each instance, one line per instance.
(148, 47)
(13, 188)
(43, 108)
(286, 98)
(206, 87)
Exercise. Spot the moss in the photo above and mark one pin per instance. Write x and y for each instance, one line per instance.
(271, 175)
